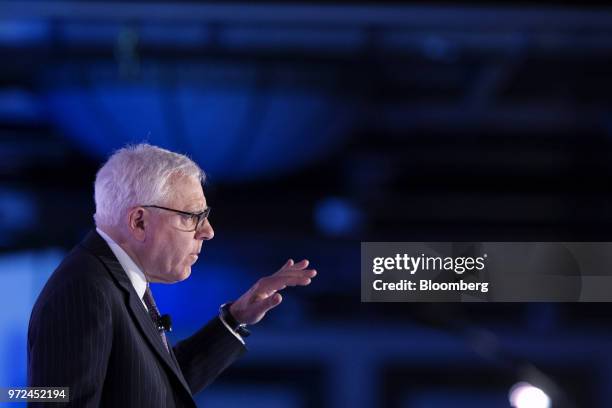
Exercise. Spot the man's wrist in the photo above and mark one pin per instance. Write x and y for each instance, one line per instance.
(226, 315)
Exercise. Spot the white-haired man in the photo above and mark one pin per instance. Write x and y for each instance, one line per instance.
(95, 327)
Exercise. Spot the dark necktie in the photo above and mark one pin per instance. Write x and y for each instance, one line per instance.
(154, 313)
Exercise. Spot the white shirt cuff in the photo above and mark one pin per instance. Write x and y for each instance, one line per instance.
(239, 337)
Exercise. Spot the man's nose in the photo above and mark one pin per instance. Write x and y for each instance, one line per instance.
(206, 231)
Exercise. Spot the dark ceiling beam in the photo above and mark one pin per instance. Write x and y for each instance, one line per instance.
(523, 117)
(530, 18)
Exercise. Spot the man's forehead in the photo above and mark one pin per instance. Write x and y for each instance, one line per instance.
(188, 192)
(196, 205)
(195, 201)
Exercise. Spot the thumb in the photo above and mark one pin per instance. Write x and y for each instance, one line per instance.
(270, 302)
(259, 309)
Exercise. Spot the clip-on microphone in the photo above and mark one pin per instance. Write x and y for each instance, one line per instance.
(164, 323)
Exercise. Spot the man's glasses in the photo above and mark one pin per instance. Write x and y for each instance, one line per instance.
(191, 221)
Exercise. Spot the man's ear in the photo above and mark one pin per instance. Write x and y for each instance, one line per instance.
(137, 222)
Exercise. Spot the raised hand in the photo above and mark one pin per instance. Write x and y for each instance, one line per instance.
(264, 295)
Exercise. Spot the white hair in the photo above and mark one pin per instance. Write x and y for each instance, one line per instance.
(137, 175)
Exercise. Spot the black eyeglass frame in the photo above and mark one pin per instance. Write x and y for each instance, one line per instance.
(200, 216)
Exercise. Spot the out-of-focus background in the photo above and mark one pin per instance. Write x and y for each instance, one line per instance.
(322, 125)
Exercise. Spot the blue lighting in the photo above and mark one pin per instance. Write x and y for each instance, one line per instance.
(236, 132)
(337, 216)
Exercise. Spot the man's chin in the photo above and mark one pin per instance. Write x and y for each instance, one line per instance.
(186, 273)
(174, 277)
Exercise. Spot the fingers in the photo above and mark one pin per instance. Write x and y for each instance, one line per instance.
(271, 284)
(289, 267)
(292, 265)
(302, 264)
(303, 273)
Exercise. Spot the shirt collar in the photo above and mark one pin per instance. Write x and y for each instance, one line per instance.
(134, 273)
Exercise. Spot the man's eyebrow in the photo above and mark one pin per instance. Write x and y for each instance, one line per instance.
(196, 209)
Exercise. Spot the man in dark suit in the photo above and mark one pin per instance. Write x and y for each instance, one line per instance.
(95, 327)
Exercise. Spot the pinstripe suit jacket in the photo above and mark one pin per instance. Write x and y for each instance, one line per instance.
(89, 331)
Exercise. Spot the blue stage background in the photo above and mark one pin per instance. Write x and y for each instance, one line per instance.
(320, 126)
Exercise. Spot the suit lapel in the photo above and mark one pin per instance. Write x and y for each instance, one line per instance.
(96, 244)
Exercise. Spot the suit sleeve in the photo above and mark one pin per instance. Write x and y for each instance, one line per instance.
(207, 353)
(69, 342)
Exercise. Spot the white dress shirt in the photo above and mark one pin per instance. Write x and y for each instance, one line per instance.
(137, 277)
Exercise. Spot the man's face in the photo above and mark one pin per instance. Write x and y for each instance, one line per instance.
(169, 249)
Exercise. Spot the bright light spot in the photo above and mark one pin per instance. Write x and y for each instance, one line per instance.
(337, 216)
(525, 395)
